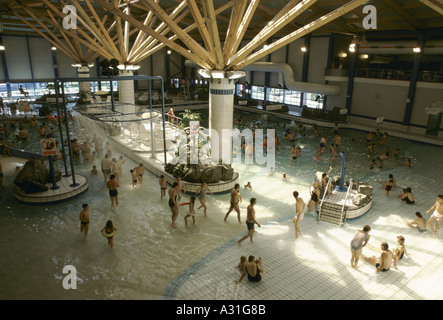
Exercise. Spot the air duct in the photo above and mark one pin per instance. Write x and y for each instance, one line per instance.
(400, 47)
(288, 77)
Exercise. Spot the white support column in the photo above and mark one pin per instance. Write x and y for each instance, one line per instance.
(83, 72)
(126, 92)
(221, 112)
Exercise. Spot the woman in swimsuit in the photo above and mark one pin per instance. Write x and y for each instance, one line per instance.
(201, 191)
(113, 192)
(408, 197)
(173, 205)
(253, 269)
(389, 185)
(163, 186)
(359, 240)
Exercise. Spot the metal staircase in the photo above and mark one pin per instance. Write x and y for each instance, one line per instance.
(333, 212)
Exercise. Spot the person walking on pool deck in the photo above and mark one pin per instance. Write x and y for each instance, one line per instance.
(253, 269)
(360, 240)
(250, 221)
(437, 215)
(299, 213)
(383, 263)
(235, 199)
(84, 219)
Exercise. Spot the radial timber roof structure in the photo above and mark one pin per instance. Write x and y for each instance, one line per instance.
(217, 35)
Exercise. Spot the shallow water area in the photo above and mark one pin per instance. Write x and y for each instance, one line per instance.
(39, 241)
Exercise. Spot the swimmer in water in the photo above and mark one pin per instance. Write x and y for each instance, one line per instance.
(163, 186)
(84, 219)
(389, 185)
(293, 155)
(248, 185)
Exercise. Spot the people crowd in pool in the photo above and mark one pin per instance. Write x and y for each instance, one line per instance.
(87, 149)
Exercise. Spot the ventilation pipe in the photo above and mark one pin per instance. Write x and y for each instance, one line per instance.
(404, 47)
(288, 77)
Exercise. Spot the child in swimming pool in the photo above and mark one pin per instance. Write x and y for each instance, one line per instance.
(191, 212)
(163, 186)
(109, 229)
(248, 185)
(133, 178)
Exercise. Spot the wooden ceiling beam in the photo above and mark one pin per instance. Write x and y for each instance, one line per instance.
(211, 20)
(404, 14)
(196, 58)
(267, 49)
(434, 4)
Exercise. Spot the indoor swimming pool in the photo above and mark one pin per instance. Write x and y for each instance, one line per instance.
(150, 260)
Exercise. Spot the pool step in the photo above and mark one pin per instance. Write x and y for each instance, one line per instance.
(332, 212)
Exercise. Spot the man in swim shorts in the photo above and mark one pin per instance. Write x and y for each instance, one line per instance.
(235, 199)
(106, 167)
(250, 221)
(113, 192)
(383, 263)
(299, 213)
(437, 215)
(419, 223)
(84, 219)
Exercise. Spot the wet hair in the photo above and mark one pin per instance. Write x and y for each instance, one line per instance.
(391, 176)
(401, 238)
(162, 176)
(253, 200)
(243, 258)
(251, 258)
(112, 176)
(109, 225)
(418, 214)
(366, 228)
(440, 196)
(236, 186)
(175, 184)
(385, 245)
(295, 194)
(408, 190)
(84, 205)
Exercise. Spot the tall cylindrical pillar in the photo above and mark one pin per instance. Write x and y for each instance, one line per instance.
(221, 113)
(126, 93)
(84, 86)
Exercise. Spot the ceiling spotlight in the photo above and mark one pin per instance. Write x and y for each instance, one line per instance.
(416, 49)
(303, 49)
(364, 56)
(54, 48)
(169, 52)
(2, 47)
(342, 54)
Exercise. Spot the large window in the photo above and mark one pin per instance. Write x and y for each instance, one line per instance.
(275, 95)
(293, 97)
(257, 93)
(314, 100)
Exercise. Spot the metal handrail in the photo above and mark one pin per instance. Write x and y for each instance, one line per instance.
(344, 204)
(323, 198)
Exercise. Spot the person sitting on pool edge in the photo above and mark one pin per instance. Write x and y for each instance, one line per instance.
(253, 269)
(407, 196)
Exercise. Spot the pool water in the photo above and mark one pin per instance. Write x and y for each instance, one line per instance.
(39, 241)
